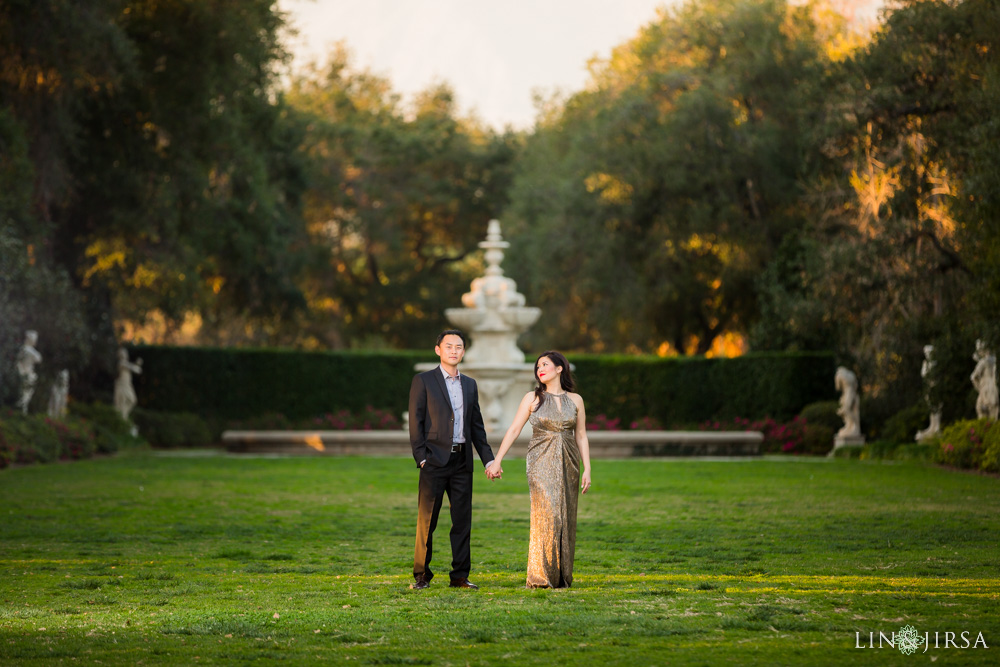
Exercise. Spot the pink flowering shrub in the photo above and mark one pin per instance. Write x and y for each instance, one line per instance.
(646, 424)
(334, 421)
(603, 423)
(784, 437)
(970, 443)
(267, 421)
(38, 438)
(369, 419)
(76, 438)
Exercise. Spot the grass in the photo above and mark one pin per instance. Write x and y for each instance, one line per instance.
(218, 560)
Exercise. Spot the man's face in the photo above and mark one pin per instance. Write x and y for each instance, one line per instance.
(451, 349)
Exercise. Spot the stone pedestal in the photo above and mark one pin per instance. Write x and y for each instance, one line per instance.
(847, 441)
(933, 429)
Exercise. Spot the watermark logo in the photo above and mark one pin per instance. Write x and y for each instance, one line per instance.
(908, 640)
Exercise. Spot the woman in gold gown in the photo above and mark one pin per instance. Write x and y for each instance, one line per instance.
(556, 451)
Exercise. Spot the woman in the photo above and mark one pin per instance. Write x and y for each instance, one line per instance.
(558, 445)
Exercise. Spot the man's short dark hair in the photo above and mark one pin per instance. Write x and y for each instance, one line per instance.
(450, 332)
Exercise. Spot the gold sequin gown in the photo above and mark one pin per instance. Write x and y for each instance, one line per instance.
(553, 465)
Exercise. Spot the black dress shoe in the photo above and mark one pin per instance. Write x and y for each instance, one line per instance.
(463, 583)
(420, 583)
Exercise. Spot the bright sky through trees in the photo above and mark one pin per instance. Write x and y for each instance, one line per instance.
(494, 54)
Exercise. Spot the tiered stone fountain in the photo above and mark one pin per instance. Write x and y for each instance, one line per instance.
(494, 315)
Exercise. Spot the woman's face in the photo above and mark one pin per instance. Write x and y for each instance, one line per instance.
(546, 370)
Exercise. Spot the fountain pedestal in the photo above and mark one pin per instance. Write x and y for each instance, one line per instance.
(494, 315)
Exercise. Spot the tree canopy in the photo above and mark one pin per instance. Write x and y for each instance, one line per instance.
(153, 166)
(398, 200)
(678, 170)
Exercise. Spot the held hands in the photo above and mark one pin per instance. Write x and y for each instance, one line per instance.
(585, 481)
(493, 470)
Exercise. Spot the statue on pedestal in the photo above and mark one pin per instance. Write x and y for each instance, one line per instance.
(925, 372)
(59, 396)
(849, 435)
(846, 383)
(27, 357)
(125, 398)
(984, 379)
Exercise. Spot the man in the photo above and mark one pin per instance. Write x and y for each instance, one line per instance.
(445, 424)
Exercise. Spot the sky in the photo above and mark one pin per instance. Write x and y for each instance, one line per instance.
(494, 54)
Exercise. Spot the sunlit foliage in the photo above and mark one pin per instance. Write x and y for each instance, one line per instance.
(400, 195)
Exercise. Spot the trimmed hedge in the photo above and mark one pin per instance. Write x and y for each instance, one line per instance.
(239, 384)
(173, 429)
(233, 384)
(684, 391)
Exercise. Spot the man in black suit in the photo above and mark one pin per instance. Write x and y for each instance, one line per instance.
(445, 424)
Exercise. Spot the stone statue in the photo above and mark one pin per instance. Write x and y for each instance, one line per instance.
(59, 396)
(925, 372)
(125, 398)
(849, 435)
(846, 383)
(27, 357)
(984, 379)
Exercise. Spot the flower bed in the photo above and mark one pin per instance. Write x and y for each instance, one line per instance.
(26, 439)
(792, 437)
(368, 419)
(970, 443)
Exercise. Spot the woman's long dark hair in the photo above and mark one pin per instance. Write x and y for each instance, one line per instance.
(565, 380)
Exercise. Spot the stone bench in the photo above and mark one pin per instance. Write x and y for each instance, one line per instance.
(603, 444)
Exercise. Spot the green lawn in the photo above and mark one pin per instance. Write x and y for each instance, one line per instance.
(157, 559)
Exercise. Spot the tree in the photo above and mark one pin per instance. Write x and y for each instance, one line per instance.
(900, 255)
(149, 170)
(52, 55)
(189, 189)
(398, 201)
(677, 172)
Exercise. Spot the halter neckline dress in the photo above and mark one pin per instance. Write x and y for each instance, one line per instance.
(553, 467)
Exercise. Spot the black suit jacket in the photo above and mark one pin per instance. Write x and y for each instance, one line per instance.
(432, 421)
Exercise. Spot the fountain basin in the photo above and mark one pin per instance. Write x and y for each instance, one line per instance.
(603, 444)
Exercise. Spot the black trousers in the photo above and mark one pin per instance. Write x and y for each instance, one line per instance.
(455, 480)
